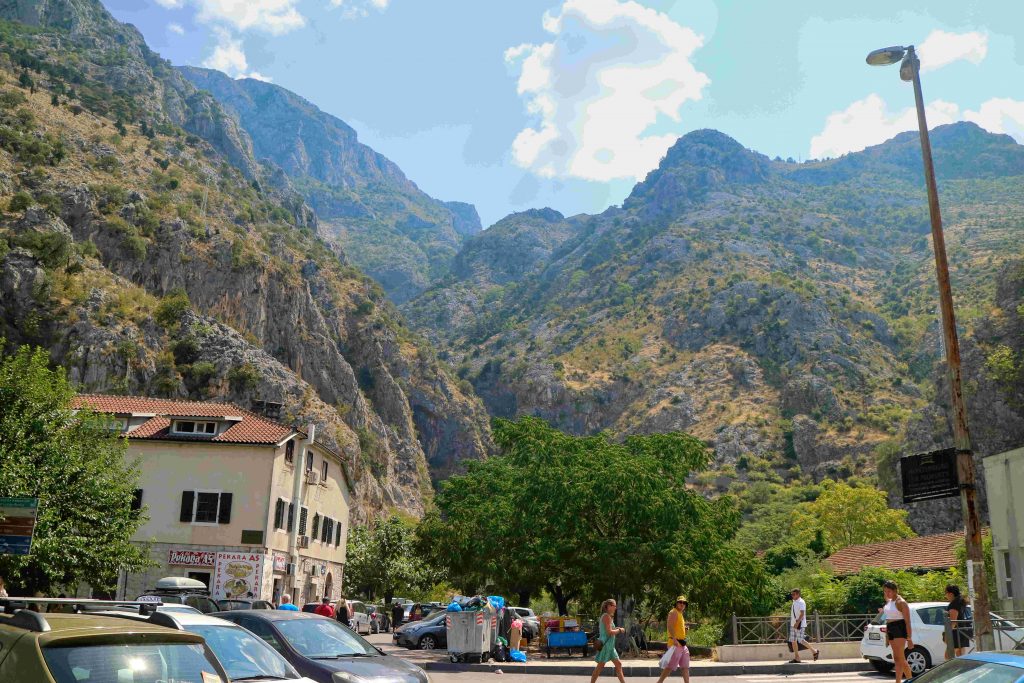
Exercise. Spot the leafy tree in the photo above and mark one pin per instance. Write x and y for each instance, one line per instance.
(172, 307)
(850, 515)
(382, 560)
(75, 465)
(586, 517)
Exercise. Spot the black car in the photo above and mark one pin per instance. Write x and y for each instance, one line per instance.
(181, 591)
(227, 605)
(318, 647)
(426, 634)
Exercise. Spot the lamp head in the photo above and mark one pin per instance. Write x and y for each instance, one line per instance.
(886, 56)
(909, 66)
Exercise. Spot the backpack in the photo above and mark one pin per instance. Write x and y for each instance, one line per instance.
(968, 616)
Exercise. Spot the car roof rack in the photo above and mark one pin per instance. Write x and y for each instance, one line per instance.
(32, 620)
(156, 618)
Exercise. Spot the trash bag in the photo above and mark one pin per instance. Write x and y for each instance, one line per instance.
(454, 607)
(497, 602)
(501, 651)
(517, 656)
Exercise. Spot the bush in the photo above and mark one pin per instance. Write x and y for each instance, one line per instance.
(185, 350)
(203, 371)
(51, 248)
(19, 202)
(244, 377)
(172, 307)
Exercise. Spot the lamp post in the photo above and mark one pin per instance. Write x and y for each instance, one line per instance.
(910, 68)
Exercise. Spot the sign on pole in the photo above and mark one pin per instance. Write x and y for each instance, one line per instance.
(17, 523)
(927, 476)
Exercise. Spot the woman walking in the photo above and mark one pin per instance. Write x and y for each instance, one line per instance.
(897, 629)
(608, 631)
(957, 609)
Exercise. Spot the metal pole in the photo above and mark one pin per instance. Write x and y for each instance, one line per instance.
(961, 435)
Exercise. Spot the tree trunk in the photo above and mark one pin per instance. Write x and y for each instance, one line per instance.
(561, 599)
(524, 598)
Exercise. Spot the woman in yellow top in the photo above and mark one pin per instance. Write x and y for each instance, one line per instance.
(680, 658)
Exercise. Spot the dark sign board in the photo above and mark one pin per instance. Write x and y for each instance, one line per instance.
(17, 523)
(930, 475)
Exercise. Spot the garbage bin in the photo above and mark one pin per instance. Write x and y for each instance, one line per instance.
(471, 635)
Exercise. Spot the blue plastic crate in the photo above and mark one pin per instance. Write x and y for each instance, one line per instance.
(567, 639)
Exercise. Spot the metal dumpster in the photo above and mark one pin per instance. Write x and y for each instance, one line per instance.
(471, 635)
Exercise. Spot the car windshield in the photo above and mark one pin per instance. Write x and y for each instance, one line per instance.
(243, 654)
(324, 638)
(234, 604)
(971, 671)
(132, 663)
(523, 612)
(434, 619)
(182, 609)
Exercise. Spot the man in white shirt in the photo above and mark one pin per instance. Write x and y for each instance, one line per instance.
(798, 626)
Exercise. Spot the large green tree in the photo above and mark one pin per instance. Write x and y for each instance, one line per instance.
(76, 466)
(850, 515)
(382, 560)
(589, 517)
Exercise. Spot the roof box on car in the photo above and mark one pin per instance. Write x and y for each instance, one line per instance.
(179, 583)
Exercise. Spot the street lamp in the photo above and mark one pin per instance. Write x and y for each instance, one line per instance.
(910, 68)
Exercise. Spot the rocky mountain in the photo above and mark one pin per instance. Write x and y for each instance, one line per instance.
(145, 246)
(392, 230)
(784, 312)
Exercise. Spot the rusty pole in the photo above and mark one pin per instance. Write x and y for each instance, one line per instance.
(961, 434)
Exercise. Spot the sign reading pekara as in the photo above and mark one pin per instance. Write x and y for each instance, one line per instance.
(927, 476)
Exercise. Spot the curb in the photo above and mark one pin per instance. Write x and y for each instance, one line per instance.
(652, 669)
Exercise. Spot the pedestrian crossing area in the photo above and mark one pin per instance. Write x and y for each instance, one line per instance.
(848, 677)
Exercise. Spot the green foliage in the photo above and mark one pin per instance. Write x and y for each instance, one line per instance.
(990, 565)
(578, 507)
(202, 372)
(244, 377)
(170, 309)
(52, 248)
(382, 561)
(19, 202)
(850, 515)
(1002, 365)
(76, 467)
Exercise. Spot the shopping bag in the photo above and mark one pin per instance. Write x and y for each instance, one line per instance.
(517, 656)
(666, 659)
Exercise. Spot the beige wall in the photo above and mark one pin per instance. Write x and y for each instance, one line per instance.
(1004, 486)
(168, 468)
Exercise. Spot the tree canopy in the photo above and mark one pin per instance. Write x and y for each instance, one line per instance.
(382, 560)
(76, 466)
(588, 517)
(850, 515)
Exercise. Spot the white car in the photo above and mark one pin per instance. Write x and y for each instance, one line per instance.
(927, 621)
(362, 622)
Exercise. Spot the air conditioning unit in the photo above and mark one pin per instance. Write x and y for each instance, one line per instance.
(303, 541)
(312, 477)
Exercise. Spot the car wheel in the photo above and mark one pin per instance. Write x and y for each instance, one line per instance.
(428, 643)
(918, 660)
(882, 667)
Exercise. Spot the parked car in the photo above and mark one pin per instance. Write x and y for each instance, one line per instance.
(361, 621)
(177, 589)
(68, 648)
(228, 605)
(531, 623)
(380, 619)
(927, 622)
(310, 607)
(991, 667)
(319, 647)
(426, 634)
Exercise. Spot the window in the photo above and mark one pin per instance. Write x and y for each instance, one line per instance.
(337, 535)
(191, 427)
(116, 424)
(1008, 575)
(205, 507)
(932, 616)
(303, 515)
(325, 531)
(183, 662)
(316, 527)
(136, 500)
(309, 460)
(279, 514)
(291, 517)
(289, 452)
(323, 472)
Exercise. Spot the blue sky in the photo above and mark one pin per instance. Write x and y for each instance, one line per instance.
(512, 104)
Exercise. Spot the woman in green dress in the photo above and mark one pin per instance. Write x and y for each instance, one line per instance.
(608, 631)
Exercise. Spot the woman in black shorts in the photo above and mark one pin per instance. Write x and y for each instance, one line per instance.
(897, 629)
(957, 609)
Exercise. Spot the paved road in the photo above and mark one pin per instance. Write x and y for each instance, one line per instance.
(767, 678)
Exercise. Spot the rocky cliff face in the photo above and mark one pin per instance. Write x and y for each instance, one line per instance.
(392, 230)
(148, 262)
(783, 312)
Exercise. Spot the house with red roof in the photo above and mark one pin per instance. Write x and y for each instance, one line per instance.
(251, 507)
(936, 552)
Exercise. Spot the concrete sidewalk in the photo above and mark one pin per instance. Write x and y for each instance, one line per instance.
(649, 667)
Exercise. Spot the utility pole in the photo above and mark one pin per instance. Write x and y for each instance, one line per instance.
(961, 433)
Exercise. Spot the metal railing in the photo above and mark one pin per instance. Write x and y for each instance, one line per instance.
(1007, 632)
(821, 628)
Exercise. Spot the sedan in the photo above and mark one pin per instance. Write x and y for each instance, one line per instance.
(987, 667)
(428, 634)
(323, 649)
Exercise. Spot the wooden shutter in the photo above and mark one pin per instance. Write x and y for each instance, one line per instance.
(303, 515)
(188, 502)
(316, 527)
(337, 535)
(224, 514)
(291, 517)
(279, 514)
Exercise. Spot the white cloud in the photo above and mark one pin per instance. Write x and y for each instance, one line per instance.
(171, 4)
(176, 28)
(868, 122)
(273, 16)
(229, 57)
(612, 69)
(357, 9)
(941, 48)
(1000, 115)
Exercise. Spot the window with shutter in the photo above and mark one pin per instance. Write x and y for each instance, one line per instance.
(316, 527)
(337, 535)
(325, 533)
(136, 500)
(289, 452)
(291, 517)
(188, 503)
(279, 514)
(309, 460)
(303, 514)
(323, 472)
(224, 513)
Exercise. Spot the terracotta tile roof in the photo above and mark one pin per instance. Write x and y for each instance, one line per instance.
(250, 428)
(927, 552)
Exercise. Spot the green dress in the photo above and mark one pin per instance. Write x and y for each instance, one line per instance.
(607, 652)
